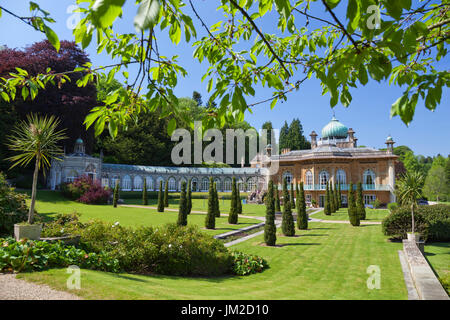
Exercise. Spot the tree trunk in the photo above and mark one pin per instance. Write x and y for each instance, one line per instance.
(412, 217)
(33, 192)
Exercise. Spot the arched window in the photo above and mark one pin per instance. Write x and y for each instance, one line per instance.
(137, 183)
(251, 184)
(341, 177)
(149, 181)
(158, 183)
(323, 179)
(261, 183)
(227, 184)
(218, 184)
(72, 176)
(205, 184)
(172, 184)
(309, 179)
(369, 179)
(288, 176)
(241, 184)
(126, 183)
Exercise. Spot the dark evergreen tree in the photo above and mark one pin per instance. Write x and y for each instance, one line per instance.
(239, 200)
(336, 198)
(144, 193)
(268, 126)
(360, 208)
(283, 140)
(330, 195)
(210, 220)
(160, 198)
(302, 216)
(216, 200)
(182, 210)
(295, 138)
(277, 200)
(292, 198)
(352, 213)
(189, 197)
(270, 230)
(327, 209)
(166, 194)
(233, 215)
(116, 194)
(339, 195)
(287, 223)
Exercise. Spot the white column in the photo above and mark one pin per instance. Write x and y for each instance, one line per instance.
(391, 179)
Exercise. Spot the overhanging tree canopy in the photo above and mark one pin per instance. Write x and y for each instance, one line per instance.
(380, 40)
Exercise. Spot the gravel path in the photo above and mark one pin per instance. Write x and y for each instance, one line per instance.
(16, 289)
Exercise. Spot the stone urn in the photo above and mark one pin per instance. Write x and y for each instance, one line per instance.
(29, 231)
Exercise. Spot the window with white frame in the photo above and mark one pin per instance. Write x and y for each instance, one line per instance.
(341, 177)
(369, 178)
(369, 198)
(288, 176)
(251, 184)
(159, 181)
(308, 178)
(113, 181)
(149, 181)
(227, 184)
(308, 198)
(105, 182)
(194, 184)
(218, 184)
(324, 177)
(126, 183)
(241, 185)
(137, 183)
(172, 184)
(205, 184)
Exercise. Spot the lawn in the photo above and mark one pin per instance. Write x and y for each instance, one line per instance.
(50, 203)
(342, 214)
(438, 255)
(328, 261)
(202, 205)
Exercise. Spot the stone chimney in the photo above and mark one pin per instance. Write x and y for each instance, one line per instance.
(313, 136)
(351, 137)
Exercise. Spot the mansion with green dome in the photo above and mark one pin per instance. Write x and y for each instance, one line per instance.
(335, 158)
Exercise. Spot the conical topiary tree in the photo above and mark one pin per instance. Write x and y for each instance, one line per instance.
(360, 209)
(277, 200)
(233, 215)
(332, 203)
(182, 210)
(287, 222)
(270, 230)
(166, 194)
(160, 198)
(210, 220)
(116, 194)
(336, 200)
(189, 197)
(352, 213)
(144, 193)
(302, 217)
(239, 200)
(216, 200)
(339, 195)
(292, 197)
(327, 209)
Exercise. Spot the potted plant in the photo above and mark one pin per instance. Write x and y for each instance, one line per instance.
(34, 139)
(409, 189)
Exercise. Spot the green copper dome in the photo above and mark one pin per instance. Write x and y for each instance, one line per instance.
(79, 140)
(334, 129)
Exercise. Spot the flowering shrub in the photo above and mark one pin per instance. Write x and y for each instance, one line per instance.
(63, 224)
(85, 190)
(245, 264)
(26, 255)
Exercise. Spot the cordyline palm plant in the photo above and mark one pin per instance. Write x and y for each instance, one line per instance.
(409, 189)
(36, 138)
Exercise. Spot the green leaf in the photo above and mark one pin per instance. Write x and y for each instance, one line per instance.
(171, 126)
(104, 12)
(362, 74)
(147, 14)
(52, 37)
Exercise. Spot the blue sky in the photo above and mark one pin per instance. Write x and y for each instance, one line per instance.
(368, 113)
